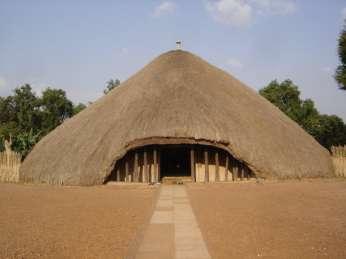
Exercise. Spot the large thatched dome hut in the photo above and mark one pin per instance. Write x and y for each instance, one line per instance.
(180, 116)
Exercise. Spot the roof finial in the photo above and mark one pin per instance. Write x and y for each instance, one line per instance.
(178, 45)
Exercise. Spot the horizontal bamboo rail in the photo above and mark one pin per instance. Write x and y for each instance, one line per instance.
(339, 160)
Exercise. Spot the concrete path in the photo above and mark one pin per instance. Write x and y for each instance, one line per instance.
(173, 232)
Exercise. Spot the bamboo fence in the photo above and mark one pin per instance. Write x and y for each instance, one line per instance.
(339, 160)
(9, 164)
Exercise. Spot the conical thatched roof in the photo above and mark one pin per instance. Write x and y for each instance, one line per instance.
(177, 98)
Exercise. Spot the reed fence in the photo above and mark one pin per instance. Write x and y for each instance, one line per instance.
(9, 164)
(339, 160)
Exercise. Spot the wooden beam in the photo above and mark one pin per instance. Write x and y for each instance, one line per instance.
(126, 169)
(247, 171)
(234, 169)
(135, 168)
(206, 165)
(159, 165)
(192, 160)
(145, 167)
(217, 174)
(118, 173)
(226, 167)
(155, 165)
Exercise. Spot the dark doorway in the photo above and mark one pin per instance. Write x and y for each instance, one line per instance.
(175, 161)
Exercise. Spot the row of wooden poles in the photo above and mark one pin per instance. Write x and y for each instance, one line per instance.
(136, 175)
(239, 170)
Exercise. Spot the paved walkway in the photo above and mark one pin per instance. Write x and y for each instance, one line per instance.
(173, 231)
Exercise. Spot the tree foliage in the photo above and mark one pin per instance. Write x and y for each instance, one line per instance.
(55, 108)
(285, 96)
(78, 108)
(340, 74)
(328, 130)
(110, 85)
(26, 107)
(25, 141)
(27, 118)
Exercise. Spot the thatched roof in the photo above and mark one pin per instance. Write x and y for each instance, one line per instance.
(177, 98)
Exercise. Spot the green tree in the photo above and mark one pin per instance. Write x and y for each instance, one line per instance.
(24, 142)
(110, 85)
(285, 96)
(25, 105)
(331, 131)
(8, 118)
(340, 74)
(19, 114)
(55, 108)
(78, 108)
(327, 130)
(26, 118)
(7, 112)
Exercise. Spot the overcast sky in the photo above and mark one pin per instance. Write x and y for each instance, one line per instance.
(79, 45)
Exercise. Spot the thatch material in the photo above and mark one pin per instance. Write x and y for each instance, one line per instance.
(177, 98)
(9, 164)
(339, 160)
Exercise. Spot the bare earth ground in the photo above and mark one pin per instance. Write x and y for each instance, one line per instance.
(292, 219)
(71, 222)
(288, 219)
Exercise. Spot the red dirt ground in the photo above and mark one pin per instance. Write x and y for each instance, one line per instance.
(292, 219)
(71, 222)
(289, 219)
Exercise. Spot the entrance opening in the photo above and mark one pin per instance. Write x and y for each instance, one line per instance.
(201, 163)
(175, 161)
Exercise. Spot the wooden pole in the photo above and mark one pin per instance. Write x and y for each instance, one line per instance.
(242, 171)
(159, 166)
(217, 174)
(226, 167)
(126, 169)
(135, 168)
(234, 169)
(206, 165)
(118, 174)
(155, 166)
(247, 173)
(192, 160)
(145, 167)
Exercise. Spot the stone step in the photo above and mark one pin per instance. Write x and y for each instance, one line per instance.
(176, 179)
